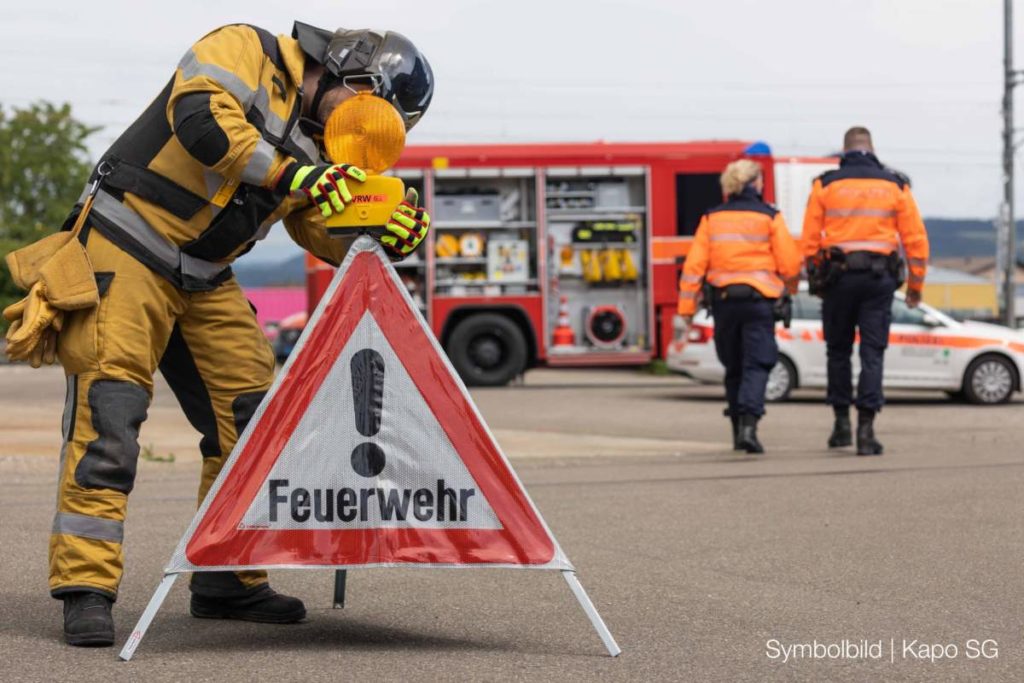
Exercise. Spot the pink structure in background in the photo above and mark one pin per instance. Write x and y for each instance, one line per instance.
(274, 304)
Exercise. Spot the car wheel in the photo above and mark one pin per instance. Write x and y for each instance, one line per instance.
(781, 380)
(989, 380)
(487, 350)
(957, 396)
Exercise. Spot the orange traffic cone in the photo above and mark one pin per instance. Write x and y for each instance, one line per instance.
(563, 334)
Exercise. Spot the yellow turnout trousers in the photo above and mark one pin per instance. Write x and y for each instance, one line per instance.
(217, 361)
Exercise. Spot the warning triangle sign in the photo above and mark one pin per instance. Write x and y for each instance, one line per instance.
(367, 451)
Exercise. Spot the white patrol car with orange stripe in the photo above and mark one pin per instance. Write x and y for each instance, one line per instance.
(927, 350)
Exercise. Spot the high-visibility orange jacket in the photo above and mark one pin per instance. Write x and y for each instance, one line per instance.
(743, 241)
(862, 206)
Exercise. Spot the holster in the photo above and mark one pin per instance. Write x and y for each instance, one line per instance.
(782, 310)
(825, 269)
(707, 292)
(898, 268)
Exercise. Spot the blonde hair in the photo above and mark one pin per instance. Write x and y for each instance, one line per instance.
(737, 174)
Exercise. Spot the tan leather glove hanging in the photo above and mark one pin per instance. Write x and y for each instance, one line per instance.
(57, 272)
(30, 320)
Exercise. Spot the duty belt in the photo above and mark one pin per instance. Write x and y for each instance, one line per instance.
(129, 231)
(865, 260)
(737, 292)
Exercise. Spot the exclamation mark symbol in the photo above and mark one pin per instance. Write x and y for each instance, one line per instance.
(368, 400)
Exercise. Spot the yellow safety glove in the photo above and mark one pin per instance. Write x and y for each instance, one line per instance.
(30, 318)
(46, 351)
(323, 185)
(408, 226)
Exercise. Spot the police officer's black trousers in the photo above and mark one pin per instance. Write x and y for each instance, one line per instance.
(861, 300)
(745, 343)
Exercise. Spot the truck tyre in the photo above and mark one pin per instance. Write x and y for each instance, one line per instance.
(989, 380)
(487, 350)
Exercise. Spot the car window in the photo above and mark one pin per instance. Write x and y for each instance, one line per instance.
(807, 307)
(903, 315)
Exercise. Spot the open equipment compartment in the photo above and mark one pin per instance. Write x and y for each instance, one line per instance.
(485, 239)
(596, 227)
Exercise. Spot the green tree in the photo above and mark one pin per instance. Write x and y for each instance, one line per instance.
(44, 164)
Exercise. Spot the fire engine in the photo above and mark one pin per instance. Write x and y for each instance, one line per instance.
(565, 254)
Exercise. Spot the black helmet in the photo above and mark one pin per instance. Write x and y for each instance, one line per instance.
(397, 70)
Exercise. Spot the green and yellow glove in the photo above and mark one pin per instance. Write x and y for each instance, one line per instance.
(408, 226)
(323, 185)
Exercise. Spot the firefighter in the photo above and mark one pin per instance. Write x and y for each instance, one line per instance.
(857, 218)
(744, 251)
(227, 149)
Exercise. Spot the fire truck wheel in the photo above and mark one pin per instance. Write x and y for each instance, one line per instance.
(487, 350)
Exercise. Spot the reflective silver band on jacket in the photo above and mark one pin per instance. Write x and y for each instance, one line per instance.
(258, 166)
(849, 213)
(739, 237)
(865, 245)
(107, 206)
(916, 262)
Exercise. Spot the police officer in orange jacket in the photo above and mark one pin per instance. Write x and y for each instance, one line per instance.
(857, 218)
(745, 253)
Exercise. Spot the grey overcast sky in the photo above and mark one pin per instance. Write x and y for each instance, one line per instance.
(924, 75)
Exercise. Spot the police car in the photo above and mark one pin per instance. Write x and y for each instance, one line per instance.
(975, 361)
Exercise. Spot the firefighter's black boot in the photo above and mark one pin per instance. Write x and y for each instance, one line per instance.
(265, 605)
(867, 444)
(842, 432)
(735, 420)
(87, 620)
(746, 438)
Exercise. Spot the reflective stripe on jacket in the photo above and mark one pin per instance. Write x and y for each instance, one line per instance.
(743, 241)
(862, 206)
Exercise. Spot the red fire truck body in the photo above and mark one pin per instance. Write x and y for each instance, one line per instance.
(561, 254)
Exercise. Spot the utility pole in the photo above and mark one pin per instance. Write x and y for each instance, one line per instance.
(1009, 228)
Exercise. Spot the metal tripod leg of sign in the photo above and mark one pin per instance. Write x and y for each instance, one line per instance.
(591, 612)
(147, 617)
(339, 588)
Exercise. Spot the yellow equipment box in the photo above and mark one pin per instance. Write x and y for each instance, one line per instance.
(373, 202)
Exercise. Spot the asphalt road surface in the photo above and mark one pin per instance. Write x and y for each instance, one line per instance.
(706, 565)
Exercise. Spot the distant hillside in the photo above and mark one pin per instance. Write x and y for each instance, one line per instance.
(949, 238)
(289, 271)
(962, 237)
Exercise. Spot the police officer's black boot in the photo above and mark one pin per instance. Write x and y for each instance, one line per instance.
(263, 605)
(87, 620)
(867, 444)
(735, 420)
(842, 432)
(746, 438)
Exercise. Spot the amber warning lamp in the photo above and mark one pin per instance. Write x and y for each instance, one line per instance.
(366, 131)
